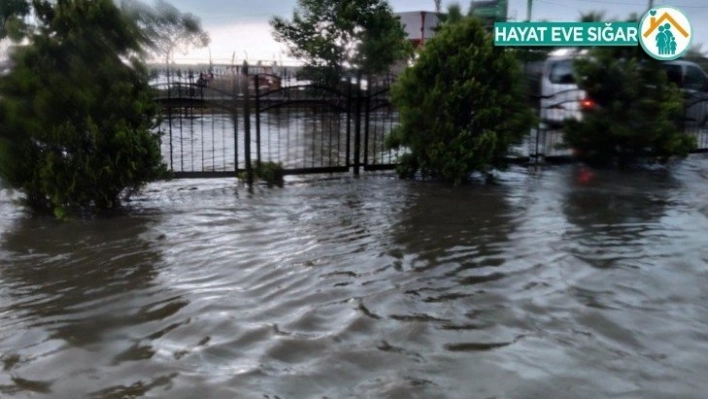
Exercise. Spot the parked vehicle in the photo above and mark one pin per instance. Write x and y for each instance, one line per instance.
(693, 82)
(562, 99)
(560, 94)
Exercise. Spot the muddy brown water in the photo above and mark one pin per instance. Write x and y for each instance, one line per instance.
(553, 283)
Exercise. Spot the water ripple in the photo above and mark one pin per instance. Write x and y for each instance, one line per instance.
(541, 285)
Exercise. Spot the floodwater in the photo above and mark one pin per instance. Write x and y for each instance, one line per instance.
(203, 141)
(553, 283)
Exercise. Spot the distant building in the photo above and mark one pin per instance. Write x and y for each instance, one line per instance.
(419, 26)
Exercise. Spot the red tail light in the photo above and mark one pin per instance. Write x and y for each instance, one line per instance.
(587, 104)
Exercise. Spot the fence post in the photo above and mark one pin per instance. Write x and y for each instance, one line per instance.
(169, 119)
(357, 126)
(539, 127)
(247, 125)
(258, 122)
(367, 108)
(684, 108)
(234, 96)
(349, 122)
(540, 132)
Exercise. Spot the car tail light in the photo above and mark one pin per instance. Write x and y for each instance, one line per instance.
(587, 104)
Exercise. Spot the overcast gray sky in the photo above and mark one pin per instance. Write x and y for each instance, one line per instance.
(241, 26)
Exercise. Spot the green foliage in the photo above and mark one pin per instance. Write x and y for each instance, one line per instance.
(461, 105)
(164, 29)
(637, 109)
(592, 16)
(269, 172)
(454, 13)
(11, 14)
(331, 36)
(76, 113)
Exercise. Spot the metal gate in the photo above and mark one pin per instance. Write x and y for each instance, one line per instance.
(225, 123)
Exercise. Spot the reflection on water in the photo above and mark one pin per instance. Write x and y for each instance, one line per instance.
(610, 208)
(552, 283)
(199, 140)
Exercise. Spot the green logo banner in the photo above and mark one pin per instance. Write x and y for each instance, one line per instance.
(566, 34)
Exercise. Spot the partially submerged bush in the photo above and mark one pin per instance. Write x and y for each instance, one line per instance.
(637, 112)
(270, 172)
(76, 118)
(462, 105)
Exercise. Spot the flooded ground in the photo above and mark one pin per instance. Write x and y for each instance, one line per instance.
(554, 283)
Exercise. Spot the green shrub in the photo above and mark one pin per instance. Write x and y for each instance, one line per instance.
(461, 105)
(637, 113)
(76, 112)
(269, 172)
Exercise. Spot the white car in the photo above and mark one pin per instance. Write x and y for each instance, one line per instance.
(561, 98)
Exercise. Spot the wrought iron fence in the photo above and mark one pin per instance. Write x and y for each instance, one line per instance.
(220, 122)
(545, 142)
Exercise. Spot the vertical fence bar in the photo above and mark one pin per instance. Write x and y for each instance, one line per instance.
(357, 126)
(348, 150)
(539, 132)
(539, 127)
(181, 141)
(247, 125)
(367, 111)
(258, 121)
(189, 114)
(201, 126)
(235, 124)
(169, 120)
(234, 96)
(701, 130)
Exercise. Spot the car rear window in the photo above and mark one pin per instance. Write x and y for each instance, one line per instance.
(561, 72)
(695, 79)
(673, 73)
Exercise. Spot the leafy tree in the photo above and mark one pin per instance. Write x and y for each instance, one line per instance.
(331, 36)
(636, 110)
(11, 13)
(461, 105)
(76, 111)
(12, 24)
(592, 16)
(165, 29)
(454, 13)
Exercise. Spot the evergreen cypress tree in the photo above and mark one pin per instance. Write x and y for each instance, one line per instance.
(462, 104)
(76, 111)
